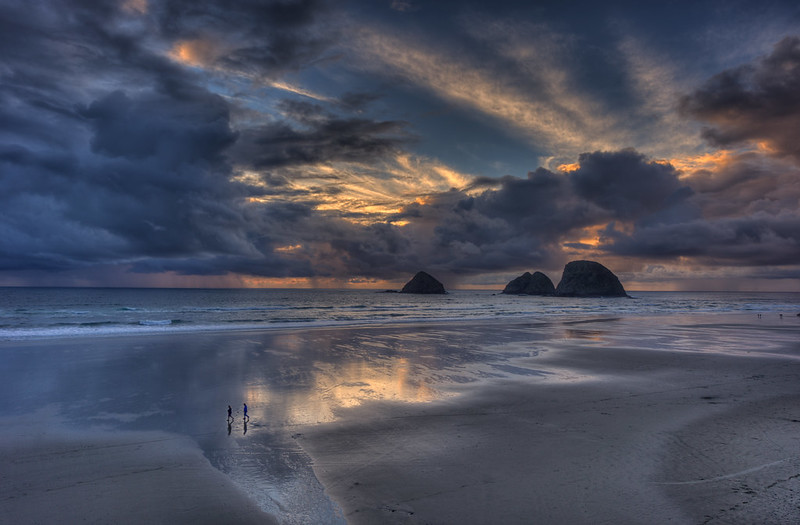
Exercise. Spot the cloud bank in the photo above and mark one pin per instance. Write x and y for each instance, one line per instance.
(194, 139)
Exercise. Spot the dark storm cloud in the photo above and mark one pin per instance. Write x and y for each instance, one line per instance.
(311, 135)
(377, 250)
(747, 184)
(626, 184)
(192, 128)
(356, 101)
(114, 154)
(744, 214)
(747, 204)
(754, 102)
(748, 218)
(263, 37)
(522, 222)
(185, 18)
(761, 239)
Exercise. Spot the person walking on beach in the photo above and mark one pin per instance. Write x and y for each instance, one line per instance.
(245, 411)
(229, 413)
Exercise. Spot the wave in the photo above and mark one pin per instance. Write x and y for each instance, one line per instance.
(145, 311)
(217, 309)
(171, 327)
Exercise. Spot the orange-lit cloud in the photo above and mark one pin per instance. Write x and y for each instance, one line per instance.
(297, 90)
(135, 6)
(196, 53)
(559, 114)
(710, 161)
(289, 248)
(368, 192)
(562, 119)
(767, 147)
(586, 240)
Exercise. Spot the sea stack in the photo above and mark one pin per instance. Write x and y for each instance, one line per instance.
(527, 284)
(589, 279)
(423, 283)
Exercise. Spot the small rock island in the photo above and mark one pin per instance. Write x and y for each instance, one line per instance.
(589, 279)
(423, 283)
(530, 284)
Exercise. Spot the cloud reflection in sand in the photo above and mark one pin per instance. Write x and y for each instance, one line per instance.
(337, 377)
(311, 377)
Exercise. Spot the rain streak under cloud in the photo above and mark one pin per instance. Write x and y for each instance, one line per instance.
(314, 143)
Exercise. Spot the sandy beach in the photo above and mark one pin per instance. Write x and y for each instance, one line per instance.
(132, 477)
(671, 419)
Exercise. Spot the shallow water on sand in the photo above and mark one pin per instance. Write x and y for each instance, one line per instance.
(289, 379)
(183, 383)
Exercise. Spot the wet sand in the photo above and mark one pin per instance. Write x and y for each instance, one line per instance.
(635, 420)
(631, 421)
(131, 477)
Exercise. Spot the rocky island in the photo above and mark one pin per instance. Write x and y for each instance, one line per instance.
(580, 279)
(423, 283)
(530, 284)
(589, 279)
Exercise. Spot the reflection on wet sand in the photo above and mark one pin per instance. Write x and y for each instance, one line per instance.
(184, 383)
(333, 386)
(584, 335)
(352, 384)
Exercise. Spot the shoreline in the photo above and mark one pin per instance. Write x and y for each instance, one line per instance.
(151, 312)
(507, 421)
(152, 330)
(560, 318)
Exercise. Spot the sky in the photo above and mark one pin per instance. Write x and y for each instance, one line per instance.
(315, 143)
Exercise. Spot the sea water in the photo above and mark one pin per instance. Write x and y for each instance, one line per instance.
(58, 312)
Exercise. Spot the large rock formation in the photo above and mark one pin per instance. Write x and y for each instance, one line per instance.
(527, 284)
(423, 283)
(589, 279)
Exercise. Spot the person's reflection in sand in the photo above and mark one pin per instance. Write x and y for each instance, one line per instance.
(245, 427)
(229, 427)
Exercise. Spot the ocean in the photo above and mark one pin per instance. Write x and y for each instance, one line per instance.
(59, 312)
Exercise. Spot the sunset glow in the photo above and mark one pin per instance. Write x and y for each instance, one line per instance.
(301, 144)
(135, 6)
(195, 53)
(710, 161)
